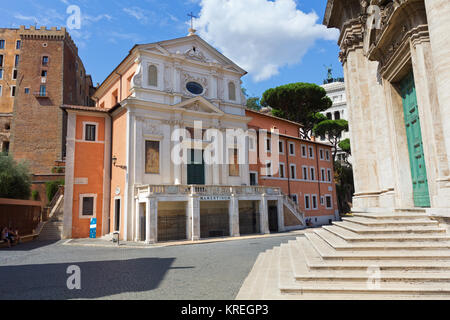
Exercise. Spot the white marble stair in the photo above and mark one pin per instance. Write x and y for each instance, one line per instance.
(393, 265)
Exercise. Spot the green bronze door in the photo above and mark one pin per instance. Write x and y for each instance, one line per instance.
(415, 144)
(195, 167)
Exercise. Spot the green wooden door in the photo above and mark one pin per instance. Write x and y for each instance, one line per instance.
(415, 144)
(195, 167)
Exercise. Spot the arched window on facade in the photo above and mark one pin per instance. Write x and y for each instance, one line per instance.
(231, 91)
(337, 115)
(153, 76)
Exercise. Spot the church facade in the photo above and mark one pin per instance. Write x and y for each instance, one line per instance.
(164, 155)
(396, 59)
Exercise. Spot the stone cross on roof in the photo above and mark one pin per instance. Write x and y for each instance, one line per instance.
(192, 30)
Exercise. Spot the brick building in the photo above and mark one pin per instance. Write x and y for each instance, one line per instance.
(41, 71)
(303, 169)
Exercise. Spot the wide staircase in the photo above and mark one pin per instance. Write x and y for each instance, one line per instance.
(401, 255)
(294, 209)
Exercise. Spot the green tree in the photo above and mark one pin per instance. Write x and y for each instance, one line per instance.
(299, 102)
(344, 145)
(15, 179)
(332, 130)
(51, 187)
(253, 103)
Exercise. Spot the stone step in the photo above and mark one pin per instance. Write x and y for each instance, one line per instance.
(250, 281)
(258, 288)
(390, 288)
(392, 216)
(391, 222)
(315, 262)
(339, 244)
(270, 291)
(328, 253)
(357, 228)
(351, 236)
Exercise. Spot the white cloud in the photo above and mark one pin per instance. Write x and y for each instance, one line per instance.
(260, 35)
(137, 13)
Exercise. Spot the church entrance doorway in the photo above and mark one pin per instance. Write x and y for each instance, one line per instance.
(415, 144)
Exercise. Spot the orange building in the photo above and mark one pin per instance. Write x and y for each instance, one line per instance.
(128, 166)
(304, 169)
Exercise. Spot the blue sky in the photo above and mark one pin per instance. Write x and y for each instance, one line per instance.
(298, 45)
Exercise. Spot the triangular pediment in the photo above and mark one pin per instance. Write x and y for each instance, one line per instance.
(199, 104)
(192, 48)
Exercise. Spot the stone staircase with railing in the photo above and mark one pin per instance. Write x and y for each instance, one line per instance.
(52, 229)
(294, 209)
(400, 255)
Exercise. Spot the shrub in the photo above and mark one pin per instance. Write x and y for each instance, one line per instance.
(34, 195)
(15, 179)
(51, 187)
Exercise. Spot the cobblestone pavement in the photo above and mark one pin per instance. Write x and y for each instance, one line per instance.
(38, 270)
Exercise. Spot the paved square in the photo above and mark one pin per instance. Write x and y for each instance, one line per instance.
(202, 271)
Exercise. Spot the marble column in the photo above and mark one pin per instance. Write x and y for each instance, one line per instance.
(234, 216)
(361, 130)
(263, 215)
(438, 12)
(177, 174)
(137, 211)
(151, 216)
(194, 218)
(430, 120)
(280, 214)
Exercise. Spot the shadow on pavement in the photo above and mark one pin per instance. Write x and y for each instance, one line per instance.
(98, 279)
(32, 245)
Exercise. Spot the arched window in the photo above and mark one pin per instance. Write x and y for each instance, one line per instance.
(337, 115)
(153, 76)
(231, 91)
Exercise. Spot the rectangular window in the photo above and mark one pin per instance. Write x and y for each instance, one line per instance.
(307, 202)
(233, 165)
(329, 175)
(281, 147)
(328, 202)
(16, 60)
(291, 149)
(14, 74)
(268, 145)
(1, 60)
(43, 91)
(2, 44)
(305, 173)
(1, 90)
(293, 171)
(294, 198)
(13, 91)
(311, 153)
(27, 90)
(327, 155)
(322, 173)
(321, 154)
(269, 168)
(313, 174)
(87, 209)
(18, 44)
(253, 179)
(314, 201)
(44, 60)
(90, 132)
(44, 73)
(251, 143)
(304, 155)
(281, 170)
(152, 157)
(1, 73)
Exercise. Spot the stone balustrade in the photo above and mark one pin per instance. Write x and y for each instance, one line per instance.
(205, 190)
